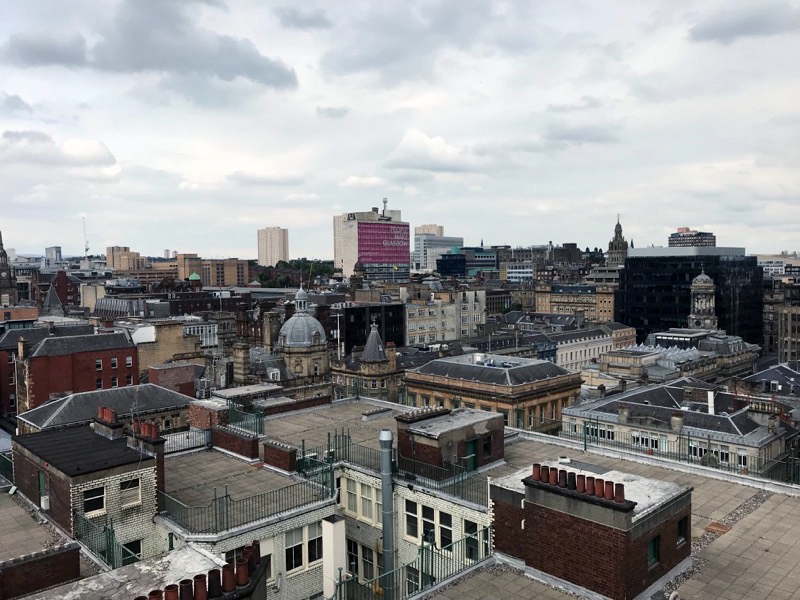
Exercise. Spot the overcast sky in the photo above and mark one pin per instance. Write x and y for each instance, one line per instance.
(189, 125)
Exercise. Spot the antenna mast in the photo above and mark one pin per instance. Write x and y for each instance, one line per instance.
(85, 241)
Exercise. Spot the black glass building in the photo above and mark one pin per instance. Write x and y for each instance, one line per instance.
(655, 289)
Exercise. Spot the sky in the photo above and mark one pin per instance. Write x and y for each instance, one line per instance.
(188, 125)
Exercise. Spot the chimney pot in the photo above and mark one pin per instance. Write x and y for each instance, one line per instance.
(171, 592)
(580, 484)
(257, 551)
(619, 493)
(609, 495)
(599, 487)
(553, 476)
(590, 486)
(536, 474)
(562, 478)
(544, 476)
(112, 415)
(242, 575)
(214, 583)
(186, 589)
(155, 595)
(252, 559)
(140, 598)
(101, 413)
(136, 426)
(228, 579)
(200, 588)
(154, 431)
(571, 483)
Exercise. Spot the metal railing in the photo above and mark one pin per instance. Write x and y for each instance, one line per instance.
(223, 512)
(6, 467)
(341, 448)
(240, 418)
(186, 440)
(686, 448)
(102, 542)
(454, 479)
(432, 566)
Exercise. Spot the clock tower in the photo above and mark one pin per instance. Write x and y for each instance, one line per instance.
(704, 314)
(8, 284)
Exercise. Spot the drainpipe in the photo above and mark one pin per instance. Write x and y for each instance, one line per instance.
(387, 495)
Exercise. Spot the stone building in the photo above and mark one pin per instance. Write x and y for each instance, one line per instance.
(303, 345)
(8, 283)
(527, 392)
(617, 248)
(596, 302)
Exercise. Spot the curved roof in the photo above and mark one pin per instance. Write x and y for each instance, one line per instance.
(299, 331)
(703, 279)
(194, 276)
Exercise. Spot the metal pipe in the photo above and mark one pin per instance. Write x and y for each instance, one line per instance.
(387, 496)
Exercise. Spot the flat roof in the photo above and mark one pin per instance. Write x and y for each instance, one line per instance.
(655, 251)
(20, 534)
(648, 493)
(457, 418)
(247, 390)
(79, 450)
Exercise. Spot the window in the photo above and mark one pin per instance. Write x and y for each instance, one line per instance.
(366, 501)
(683, 530)
(487, 446)
(412, 522)
(429, 524)
(98, 364)
(445, 530)
(294, 549)
(367, 563)
(114, 382)
(654, 551)
(352, 500)
(373, 384)
(134, 547)
(94, 500)
(471, 534)
(98, 383)
(352, 557)
(741, 458)
(128, 379)
(314, 542)
(129, 492)
(114, 362)
(378, 507)
(129, 361)
(232, 555)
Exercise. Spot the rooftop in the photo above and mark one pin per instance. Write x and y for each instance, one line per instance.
(79, 450)
(20, 534)
(82, 407)
(247, 390)
(493, 368)
(654, 251)
(456, 419)
(62, 346)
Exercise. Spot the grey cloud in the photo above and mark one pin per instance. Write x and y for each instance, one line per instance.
(13, 103)
(159, 37)
(293, 18)
(34, 50)
(332, 112)
(582, 134)
(586, 102)
(156, 37)
(29, 136)
(252, 179)
(199, 90)
(736, 21)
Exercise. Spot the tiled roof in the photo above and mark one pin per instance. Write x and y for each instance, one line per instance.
(526, 371)
(82, 407)
(34, 335)
(62, 346)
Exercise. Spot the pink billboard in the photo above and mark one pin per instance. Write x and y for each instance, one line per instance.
(386, 243)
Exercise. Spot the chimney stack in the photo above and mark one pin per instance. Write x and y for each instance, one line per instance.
(676, 421)
(624, 413)
(107, 424)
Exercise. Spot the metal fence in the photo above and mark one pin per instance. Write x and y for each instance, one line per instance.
(358, 388)
(432, 566)
(6, 467)
(240, 418)
(341, 448)
(223, 512)
(102, 542)
(186, 440)
(454, 479)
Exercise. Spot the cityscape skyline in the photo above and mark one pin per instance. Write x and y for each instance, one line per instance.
(551, 119)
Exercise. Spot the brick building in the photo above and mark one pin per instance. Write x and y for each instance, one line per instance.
(62, 365)
(9, 343)
(638, 529)
(80, 474)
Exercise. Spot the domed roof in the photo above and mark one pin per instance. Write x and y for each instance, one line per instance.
(703, 279)
(300, 331)
(301, 295)
(194, 276)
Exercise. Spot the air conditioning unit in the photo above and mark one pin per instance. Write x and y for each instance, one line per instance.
(45, 502)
